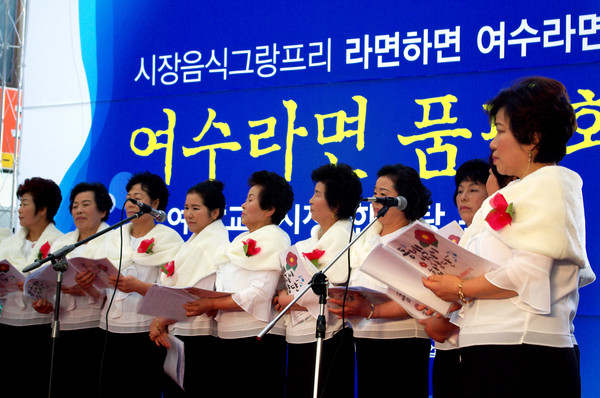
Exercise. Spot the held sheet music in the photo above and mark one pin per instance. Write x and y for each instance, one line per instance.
(41, 283)
(9, 278)
(167, 302)
(420, 252)
(297, 273)
(174, 364)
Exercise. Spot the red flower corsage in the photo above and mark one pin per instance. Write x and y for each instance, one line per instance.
(501, 214)
(314, 256)
(250, 247)
(168, 268)
(44, 250)
(146, 246)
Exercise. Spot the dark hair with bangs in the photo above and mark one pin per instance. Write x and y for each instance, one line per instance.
(474, 170)
(537, 105)
(211, 192)
(408, 184)
(153, 185)
(101, 196)
(343, 188)
(276, 193)
(45, 194)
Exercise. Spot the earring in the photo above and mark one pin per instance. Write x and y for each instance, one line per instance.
(530, 157)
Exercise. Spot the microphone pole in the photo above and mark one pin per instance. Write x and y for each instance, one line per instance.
(318, 284)
(59, 263)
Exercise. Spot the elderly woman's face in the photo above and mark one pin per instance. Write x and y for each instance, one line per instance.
(28, 215)
(319, 208)
(384, 186)
(469, 197)
(85, 212)
(510, 156)
(197, 215)
(253, 216)
(136, 192)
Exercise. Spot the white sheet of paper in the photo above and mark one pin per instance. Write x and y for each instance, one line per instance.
(452, 231)
(420, 252)
(297, 276)
(102, 268)
(372, 296)
(407, 303)
(174, 365)
(9, 277)
(166, 302)
(391, 270)
(41, 283)
(432, 253)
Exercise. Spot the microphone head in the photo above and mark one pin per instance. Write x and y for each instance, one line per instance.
(402, 202)
(161, 216)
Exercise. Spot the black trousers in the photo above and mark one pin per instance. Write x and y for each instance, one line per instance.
(252, 367)
(446, 372)
(520, 371)
(336, 369)
(201, 373)
(132, 366)
(26, 355)
(394, 367)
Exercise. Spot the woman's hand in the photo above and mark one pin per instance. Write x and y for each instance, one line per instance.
(430, 312)
(356, 305)
(443, 286)
(158, 332)
(199, 307)
(75, 290)
(282, 300)
(276, 303)
(439, 329)
(129, 284)
(85, 279)
(42, 306)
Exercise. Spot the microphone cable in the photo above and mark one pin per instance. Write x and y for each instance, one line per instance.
(110, 304)
(344, 326)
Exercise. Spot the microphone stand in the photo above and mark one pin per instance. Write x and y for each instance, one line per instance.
(318, 284)
(60, 264)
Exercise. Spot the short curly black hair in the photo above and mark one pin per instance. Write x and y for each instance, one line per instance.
(409, 185)
(343, 188)
(153, 185)
(537, 105)
(211, 192)
(101, 196)
(276, 193)
(45, 194)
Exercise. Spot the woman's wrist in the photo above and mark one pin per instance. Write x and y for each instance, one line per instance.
(371, 312)
(159, 326)
(461, 294)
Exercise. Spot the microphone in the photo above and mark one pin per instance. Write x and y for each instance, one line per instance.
(399, 201)
(158, 215)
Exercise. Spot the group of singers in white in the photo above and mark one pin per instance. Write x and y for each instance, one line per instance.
(512, 328)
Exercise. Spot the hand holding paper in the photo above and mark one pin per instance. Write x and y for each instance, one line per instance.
(406, 262)
(199, 307)
(443, 286)
(11, 280)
